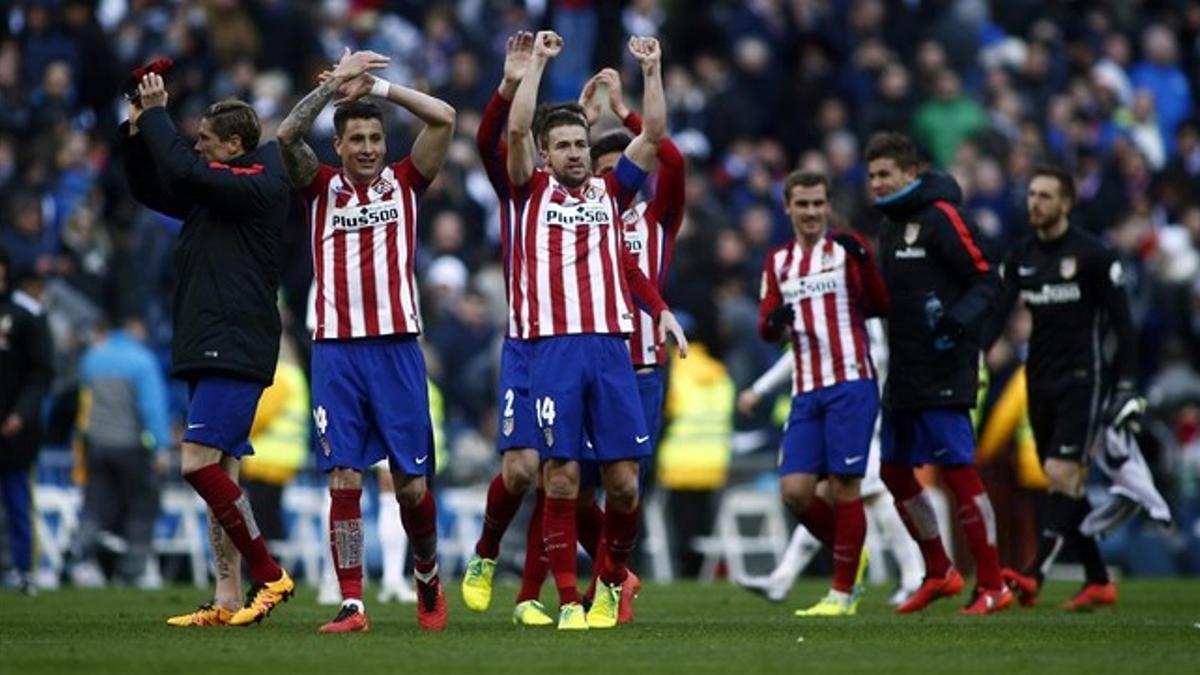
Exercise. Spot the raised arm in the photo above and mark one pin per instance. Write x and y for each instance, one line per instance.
(546, 45)
(644, 147)
(143, 178)
(298, 158)
(432, 144)
(489, 139)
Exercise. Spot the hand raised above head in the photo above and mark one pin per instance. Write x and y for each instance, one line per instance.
(152, 91)
(645, 49)
(518, 51)
(353, 64)
(547, 44)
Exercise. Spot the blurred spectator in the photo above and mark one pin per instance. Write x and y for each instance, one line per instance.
(124, 440)
(1159, 73)
(25, 362)
(944, 122)
(693, 456)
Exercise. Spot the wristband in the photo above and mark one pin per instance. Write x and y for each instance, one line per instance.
(380, 88)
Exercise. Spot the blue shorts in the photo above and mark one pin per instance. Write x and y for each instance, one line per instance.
(651, 392)
(370, 402)
(584, 385)
(220, 413)
(941, 436)
(829, 430)
(518, 429)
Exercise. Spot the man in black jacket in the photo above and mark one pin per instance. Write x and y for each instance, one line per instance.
(941, 286)
(1074, 287)
(233, 198)
(26, 368)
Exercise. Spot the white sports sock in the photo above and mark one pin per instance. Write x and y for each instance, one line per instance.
(799, 552)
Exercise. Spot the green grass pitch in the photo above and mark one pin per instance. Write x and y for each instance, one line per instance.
(680, 628)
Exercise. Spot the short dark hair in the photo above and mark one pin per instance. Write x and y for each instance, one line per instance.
(1066, 182)
(894, 146)
(802, 178)
(355, 110)
(551, 115)
(614, 141)
(235, 117)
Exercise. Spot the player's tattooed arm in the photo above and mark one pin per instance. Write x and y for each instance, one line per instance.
(298, 158)
(546, 46)
(643, 150)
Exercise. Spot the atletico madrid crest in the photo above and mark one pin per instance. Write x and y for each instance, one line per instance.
(549, 437)
(911, 232)
(1067, 267)
(509, 423)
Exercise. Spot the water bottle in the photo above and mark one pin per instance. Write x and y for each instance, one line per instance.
(933, 314)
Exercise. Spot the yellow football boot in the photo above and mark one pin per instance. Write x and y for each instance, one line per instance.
(477, 583)
(262, 599)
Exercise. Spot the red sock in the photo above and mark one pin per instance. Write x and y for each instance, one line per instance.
(819, 518)
(346, 540)
(620, 533)
(536, 563)
(501, 507)
(232, 510)
(558, 534)
(590, 525)
(918, 516)
(598, 563)
(420, 522)
(848, 543)
(978, 521)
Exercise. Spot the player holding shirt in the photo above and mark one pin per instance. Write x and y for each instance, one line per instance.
(818, 290)
(370, 399)
(577, 311)
(1069, 280)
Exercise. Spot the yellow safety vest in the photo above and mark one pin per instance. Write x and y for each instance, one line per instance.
(437, 417)
(694, 453)
(280, 431)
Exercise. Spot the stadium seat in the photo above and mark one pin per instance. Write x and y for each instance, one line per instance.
(306, 547)
(729, 544)
(182, 513)
(57, 519)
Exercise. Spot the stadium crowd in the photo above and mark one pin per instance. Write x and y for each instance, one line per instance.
(754, 90)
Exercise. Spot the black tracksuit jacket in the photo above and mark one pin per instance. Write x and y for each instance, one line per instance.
(228, 256)
(928, 248)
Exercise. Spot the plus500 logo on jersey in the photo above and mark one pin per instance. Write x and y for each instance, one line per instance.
(367, 215)
(811, 286)
(582, 215)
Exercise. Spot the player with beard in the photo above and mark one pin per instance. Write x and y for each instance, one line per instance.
(1074, 287)
(577, 314)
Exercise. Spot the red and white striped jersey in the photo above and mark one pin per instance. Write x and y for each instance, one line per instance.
(363, 244)
(573, 277)
(650, 229)
(831, 294)
(489, 139)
